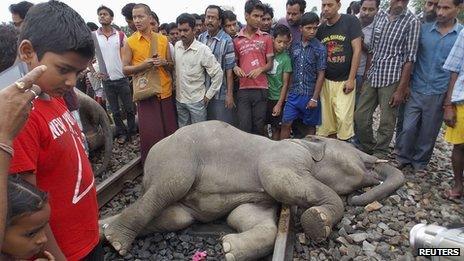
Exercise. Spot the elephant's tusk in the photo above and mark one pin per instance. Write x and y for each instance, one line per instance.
(381, 161)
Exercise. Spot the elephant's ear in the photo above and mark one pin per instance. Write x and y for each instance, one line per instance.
(316, 147)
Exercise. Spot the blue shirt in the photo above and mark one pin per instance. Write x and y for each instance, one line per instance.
(429, 77)
(307, 61)
(222, 47)
(454, 63)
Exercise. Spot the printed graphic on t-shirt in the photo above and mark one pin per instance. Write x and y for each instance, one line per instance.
(59, 126)
(335, 50)
(274, 68)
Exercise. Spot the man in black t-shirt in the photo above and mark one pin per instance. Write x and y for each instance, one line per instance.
(341, 35)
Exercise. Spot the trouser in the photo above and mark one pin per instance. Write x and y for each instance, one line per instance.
(157, 120)
(368, 101)
(190, 113)
(252, 106)
(399, 121)
(217, 111)
(423, 116)
(119, 90)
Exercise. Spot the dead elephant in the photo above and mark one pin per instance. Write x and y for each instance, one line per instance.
(209, 170)
(96, 127)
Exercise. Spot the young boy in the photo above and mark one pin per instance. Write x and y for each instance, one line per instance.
(48, 151)
(278, 79)
(309, 62)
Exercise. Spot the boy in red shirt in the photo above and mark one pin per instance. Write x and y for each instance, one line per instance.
(48, 151)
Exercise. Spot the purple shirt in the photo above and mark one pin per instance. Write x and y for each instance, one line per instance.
(295, 30)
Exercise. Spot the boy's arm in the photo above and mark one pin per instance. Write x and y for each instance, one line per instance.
(319, 83)
(230, 89)
(285, 84)
(449, 116)
(214, 70)
(356, 46)
(269, 60)
(51, 245)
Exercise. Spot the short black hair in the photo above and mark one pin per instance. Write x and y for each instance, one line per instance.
(164, 26)
(155, 16)
(281, 30)
(21, 8)
(309, 18)
(92, 26)
(251, 5)
(218, 8)
(196, 16)
(186, 18)
(301, 3)
(126, 11)
(55, 27)
(377, 2)
(269, 10)
(144, 6)
(203, 17)
(8, 45)
(171, 26)
(107, 9)
(228, 15)
(457, 2)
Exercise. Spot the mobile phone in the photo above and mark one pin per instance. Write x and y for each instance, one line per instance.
(12, 74)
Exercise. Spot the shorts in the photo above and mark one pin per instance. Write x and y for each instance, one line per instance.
(337, 110)
(456, 135)
(275, 121)
(295, 108)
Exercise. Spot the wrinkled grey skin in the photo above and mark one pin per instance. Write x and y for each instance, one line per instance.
(209, 170)
(96, 127)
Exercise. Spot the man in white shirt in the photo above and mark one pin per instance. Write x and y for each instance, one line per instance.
(108, 43)
(192, 60)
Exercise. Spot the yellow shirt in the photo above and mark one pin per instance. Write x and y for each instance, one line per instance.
(140, 47)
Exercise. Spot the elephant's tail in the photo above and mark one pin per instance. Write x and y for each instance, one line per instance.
(107, 132)
(392, 180)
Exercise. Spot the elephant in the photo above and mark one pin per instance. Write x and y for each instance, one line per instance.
(210, 170)
(96, 127)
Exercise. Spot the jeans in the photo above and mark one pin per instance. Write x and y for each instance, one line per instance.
(368, 101)
(252, 106)
(116, 91)
(190, 113)
(423, 116)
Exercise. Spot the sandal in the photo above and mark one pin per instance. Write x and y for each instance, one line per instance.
(450, 195)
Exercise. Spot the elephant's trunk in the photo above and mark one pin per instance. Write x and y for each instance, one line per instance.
(107, 132)
(393, 179)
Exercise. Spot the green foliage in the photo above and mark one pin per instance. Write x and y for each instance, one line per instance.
(417, 5)
(314, 9)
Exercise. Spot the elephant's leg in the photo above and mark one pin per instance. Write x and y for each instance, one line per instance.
(257, 229)
(174, 218)
(165, 191)
(324, 206)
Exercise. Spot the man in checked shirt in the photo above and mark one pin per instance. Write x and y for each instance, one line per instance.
(392, 54)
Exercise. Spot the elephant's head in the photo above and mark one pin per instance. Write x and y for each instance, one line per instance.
(345, 169)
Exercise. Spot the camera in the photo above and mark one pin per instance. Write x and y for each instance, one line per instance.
(437, 242)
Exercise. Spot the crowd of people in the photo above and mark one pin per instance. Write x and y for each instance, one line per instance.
(281, 78)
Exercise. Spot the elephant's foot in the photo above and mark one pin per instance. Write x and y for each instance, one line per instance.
(118, 234)
(316, 223)
(234, 247)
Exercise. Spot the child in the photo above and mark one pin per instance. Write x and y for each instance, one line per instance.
(48, 151)
(278, 79)
(309, 62)
(28, 214)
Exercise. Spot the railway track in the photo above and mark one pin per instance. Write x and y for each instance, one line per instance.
(283, 247)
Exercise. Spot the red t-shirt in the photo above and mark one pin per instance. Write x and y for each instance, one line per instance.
(252, 53)
(50, 146)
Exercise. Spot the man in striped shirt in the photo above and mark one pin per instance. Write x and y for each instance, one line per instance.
(393, 51)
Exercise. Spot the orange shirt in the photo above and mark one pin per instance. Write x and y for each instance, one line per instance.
(140, 47)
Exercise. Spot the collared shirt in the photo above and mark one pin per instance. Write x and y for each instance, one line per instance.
(222, 47)
(307, 62)
(429, 77)
(252, 53)
(367, 37)
(393, 44)
(294, 29)
(191, 64)
(141, 46)
(455, 63)
(111, 51)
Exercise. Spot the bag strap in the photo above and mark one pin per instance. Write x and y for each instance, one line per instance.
(153, 44)
(121, 38)
(98, 54)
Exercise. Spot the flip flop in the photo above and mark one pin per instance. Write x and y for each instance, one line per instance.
(450, 195)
